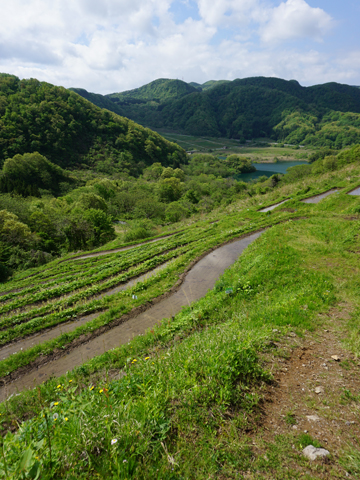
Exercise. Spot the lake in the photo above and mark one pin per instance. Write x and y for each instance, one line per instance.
(268, 169)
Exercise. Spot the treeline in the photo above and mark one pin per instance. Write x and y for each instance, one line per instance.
(334, 129)
(245, 109)
(72, 132)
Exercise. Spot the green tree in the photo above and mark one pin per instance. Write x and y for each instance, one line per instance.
(169, 189)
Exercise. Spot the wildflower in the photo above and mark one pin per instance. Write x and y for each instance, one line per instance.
(55, 416)
(66, 419)
(59, 386)
(92, 388)
(56, 403)
(124, 461)
(70, 381)
(134, 360)
(100, 391)
(113, 441)
(147, 358)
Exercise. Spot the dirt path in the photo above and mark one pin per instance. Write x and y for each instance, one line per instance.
(312, 394)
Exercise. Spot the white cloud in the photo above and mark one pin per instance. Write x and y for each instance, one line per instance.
(296, 19)
(113, 45)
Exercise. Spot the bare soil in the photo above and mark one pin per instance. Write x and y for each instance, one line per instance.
(292, 406)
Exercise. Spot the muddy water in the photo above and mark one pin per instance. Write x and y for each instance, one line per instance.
(199, 280)
(318, 198)
(355, 192)
(41, 337)
(268, 209)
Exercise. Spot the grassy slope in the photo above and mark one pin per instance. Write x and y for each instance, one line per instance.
(192, 388)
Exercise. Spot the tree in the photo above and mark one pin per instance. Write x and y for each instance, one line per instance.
(30, 173)
(169, 189)
(12, 231)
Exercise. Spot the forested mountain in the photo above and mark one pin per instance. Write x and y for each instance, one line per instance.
(70, 131)
(244, 109)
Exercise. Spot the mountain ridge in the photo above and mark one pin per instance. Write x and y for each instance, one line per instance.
(243, 108)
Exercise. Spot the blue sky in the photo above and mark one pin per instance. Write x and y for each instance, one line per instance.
(114, 45)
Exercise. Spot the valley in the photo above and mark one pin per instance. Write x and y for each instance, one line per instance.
(175, 316)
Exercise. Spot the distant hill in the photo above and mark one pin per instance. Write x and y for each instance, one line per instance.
(243, 108)
(71, 131)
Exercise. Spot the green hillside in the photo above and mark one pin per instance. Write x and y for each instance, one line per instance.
(159, 91)
(70, 131)
(233, 385)
(245, 109)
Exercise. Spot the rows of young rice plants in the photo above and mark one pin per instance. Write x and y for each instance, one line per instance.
(86, 300)
(114, 306)
(39, 323)
(61, 269)
(96, 270)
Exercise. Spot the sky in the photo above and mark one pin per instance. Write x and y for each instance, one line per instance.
(108, 46)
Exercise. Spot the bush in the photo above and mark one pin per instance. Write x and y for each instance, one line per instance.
(138, 230)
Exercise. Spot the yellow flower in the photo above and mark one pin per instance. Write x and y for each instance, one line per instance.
(56, 403)
(134, 360)
(66, 419)
(59, 386)
(70, 381)
(147, 358)
(100, 391)
(92, 388)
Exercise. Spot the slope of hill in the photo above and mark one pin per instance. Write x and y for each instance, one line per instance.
(70, 131)
(235, 385)
(243, 108)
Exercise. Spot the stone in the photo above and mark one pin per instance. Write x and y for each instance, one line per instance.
(319, 390)
(336, 358)
(313, 418)
(313, 453)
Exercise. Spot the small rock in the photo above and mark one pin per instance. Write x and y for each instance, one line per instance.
(349, 423)
(292, 334)
(336, 358)
(295, 427)
(313, 418)
(313, 453)
(319, 390)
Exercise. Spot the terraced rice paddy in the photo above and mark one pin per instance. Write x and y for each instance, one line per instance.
(71, 310)
(46, 314)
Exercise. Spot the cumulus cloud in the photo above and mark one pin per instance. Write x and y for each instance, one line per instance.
(113, 45)
(296, 19)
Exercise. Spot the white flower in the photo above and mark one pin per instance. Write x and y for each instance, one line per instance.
(113, 441)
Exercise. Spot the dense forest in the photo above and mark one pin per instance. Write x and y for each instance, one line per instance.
(244, 109)
(71, 132)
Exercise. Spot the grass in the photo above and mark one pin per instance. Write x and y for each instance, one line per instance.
(179, 402)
